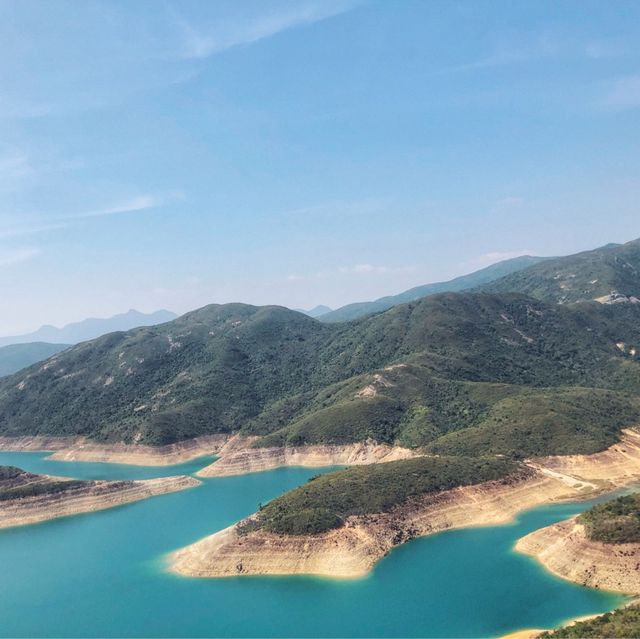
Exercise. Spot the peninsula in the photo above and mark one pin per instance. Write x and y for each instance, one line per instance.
(27, 498)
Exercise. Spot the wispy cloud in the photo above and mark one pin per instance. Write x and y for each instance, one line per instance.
(202, 42)
(21, 231)
(138, 203)
(14, 170)
(134, 205)
(16, 256)
(517, 48)
(622, 93)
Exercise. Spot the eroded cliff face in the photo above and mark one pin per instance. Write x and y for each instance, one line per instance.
(82, 449)
(239, 458)
(86, 497)
(565, 550)
(352, 550)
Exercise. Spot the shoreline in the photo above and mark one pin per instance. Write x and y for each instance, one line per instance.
(235, 453)
(238, 457)
(352, 550)
(564, 550)
(532, 633)
(85, 450)
(95, 496)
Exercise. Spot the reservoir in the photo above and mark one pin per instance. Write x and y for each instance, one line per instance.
(103, 574)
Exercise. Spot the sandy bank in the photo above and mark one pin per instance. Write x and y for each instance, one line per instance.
(238, 458)
(352, 550)
(82, 449)
(532, 633)
(94, 496)
(528, 633)
(565, 550)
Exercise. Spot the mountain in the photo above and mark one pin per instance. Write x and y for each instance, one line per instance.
(610, 274)
(316, 311)
(465, 282)
(483, 373)
(18, 356)
(90, 328)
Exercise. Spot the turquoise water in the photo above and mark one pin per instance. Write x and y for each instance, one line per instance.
(102, 574)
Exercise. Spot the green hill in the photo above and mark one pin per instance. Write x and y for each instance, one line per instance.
(620, 623)
(326, 501)
(18, 356)
(465, 282)
(586, 276)
(473, 366)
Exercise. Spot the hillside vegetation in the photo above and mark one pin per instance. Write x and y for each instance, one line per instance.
(618, 624)
(16, 483)
(327, 500)
(477, 366)
(614, 522)
(586, 276)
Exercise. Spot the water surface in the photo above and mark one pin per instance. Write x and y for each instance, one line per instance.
(102, 574)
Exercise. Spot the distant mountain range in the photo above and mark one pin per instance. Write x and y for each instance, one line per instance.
(465, 282)
(316, 311)
(18, 356)
(90, 328)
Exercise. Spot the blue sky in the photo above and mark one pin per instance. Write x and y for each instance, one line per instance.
(172, 154)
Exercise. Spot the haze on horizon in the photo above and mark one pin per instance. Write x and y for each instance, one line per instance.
(171, 155)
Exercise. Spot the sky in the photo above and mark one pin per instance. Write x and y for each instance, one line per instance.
(171, 154)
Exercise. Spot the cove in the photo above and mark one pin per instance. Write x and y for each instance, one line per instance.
(103, 574)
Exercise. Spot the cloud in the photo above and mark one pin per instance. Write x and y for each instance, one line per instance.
(493, 257)
(31, 230)
(201, 43)
(16, 256)
(623, 93)
(602, 50)
(356, 269)
(370, 269)
(14, 170)
(138, 203)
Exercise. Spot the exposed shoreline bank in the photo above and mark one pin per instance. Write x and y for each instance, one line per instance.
(82, 449)
(238, 457)
(236, 454)
(352, 550)
(565, 550)
(97, 495)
